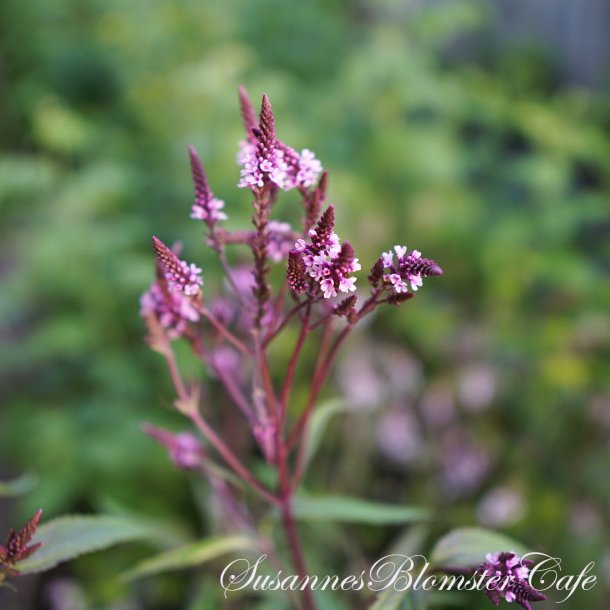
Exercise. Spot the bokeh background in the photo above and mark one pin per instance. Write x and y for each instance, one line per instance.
(476, 132)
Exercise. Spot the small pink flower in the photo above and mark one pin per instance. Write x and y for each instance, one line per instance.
(328, 288)
(388, 259)
(347, 284)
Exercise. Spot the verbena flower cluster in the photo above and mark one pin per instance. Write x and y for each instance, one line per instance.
(286, 168)
(173, 309)
(408, 269)
(318, 265)
(510, 573)
(231, 333)
(325, 260)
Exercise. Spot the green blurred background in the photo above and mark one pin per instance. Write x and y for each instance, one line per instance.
(476, 132)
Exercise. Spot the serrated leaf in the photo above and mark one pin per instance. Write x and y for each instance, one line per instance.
(68, 537)
(319, 422)
(467, 547)
(355, 510)
(191, 555)
(17, 487)
(390, 599)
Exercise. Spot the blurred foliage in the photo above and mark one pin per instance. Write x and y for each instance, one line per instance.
(486, 164)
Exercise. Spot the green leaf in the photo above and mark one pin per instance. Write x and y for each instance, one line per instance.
(467, 547)
(390, 599)
(17, 487)
(410, 541)
(191, 555)
(319, 422)
(68, 537)
(354, 510)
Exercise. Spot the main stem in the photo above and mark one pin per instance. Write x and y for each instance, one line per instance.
(289, 523)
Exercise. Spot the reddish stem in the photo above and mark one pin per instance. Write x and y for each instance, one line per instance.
(230, 458)
(289, 523)
(285, 321)
(292, 366)
(224, 331)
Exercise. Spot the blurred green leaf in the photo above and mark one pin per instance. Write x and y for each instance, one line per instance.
(355, 510)
(319, 423)
(17, 487)
(191, 555)
(467, 547)
(68, 537)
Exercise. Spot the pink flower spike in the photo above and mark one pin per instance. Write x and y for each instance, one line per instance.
(180, 276)
(206, 207)
(408, 269)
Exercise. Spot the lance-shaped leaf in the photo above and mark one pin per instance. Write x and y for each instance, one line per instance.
(353, 510)
(319, 423)
(191, 555)
(68, 537)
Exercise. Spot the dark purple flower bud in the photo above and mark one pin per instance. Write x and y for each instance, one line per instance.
(416, 265)
(346, 306)
(17, 546)
(180, 276)
(296, 274)
(376, 273)
(266, 128)
(399, 298)
(314, 200)
(325, 227)
(185, 450)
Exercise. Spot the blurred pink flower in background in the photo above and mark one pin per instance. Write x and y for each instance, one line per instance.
(464, 464)
(500, 507)
(399, 436)
(477, 387)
